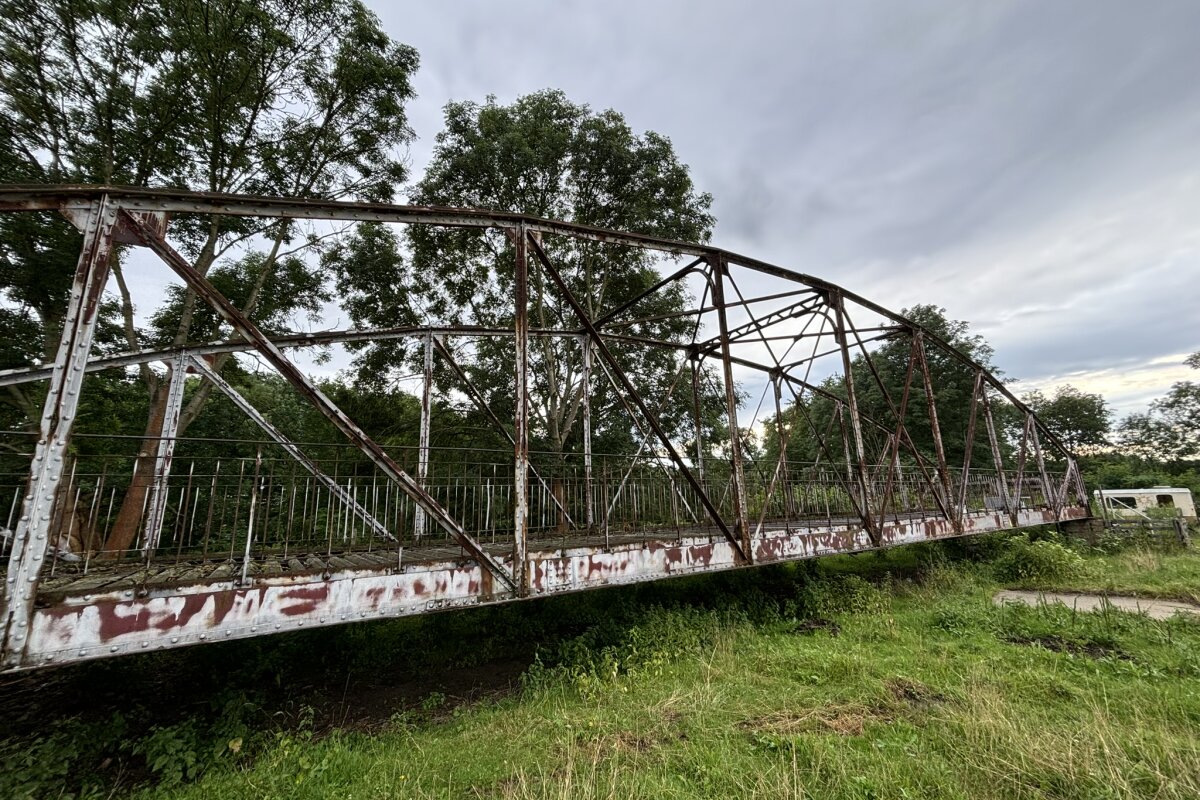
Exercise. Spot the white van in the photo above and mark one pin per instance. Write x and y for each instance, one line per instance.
(1136, 502)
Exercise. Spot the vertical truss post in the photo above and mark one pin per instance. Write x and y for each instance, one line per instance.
(255, 488)
(893, 476)
(970, 444)
(1020, 485)
(1080, 489)
(782, 433)
(166, 453)
(521, 408)
(935, 429)
(698, 420)
(423, 435)
(586, 390)
(864, 485)
(997, 456)
(32, 536)
(1047, 490)
(741, 518)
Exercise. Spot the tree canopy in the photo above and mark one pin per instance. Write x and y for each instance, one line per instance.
(251, 96)
(1170, 430)
(1082, 420)
(545, 156)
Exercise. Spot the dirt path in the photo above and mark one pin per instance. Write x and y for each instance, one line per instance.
(1155, 609)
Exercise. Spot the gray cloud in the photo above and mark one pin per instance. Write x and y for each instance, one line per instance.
(1034, 167)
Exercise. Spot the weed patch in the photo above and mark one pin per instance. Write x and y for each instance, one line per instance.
(1026, 561)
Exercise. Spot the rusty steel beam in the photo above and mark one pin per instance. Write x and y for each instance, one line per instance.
(315, 396)
(603, 319)
(423, 435)
(1048, 493)
(113, 622)
(585, 380)
(935, 427)
(635, 397)
(697, 419)
(860, 461)
(997, 456)
(31, 539)
(1024, 448)
(520, 240)
(202, 367)
(157, 507)
(970, 444)
(159, 201)
(719, 273)
(901, 430)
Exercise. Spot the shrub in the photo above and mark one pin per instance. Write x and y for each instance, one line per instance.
(842, 594)
(1043, 560)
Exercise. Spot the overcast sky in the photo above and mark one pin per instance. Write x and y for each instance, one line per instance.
(1033, 167)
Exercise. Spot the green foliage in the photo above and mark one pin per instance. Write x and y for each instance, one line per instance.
(546, 156)
(57, 764)
(841, 594)
(1080, 419)
(254, 96)
(1170, 430)
(953, 383)
(1043, 560)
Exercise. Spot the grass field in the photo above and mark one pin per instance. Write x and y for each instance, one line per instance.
(877, 676)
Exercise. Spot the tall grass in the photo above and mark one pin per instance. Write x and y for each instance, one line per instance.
(873, 676)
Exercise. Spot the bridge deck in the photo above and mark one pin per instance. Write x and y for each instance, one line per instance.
(124, 607)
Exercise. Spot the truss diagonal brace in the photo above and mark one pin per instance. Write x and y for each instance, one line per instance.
(290, 372)
(607, 357)
(201, 366)
(481, 404)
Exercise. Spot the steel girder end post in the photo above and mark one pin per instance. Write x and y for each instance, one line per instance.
(31, 539)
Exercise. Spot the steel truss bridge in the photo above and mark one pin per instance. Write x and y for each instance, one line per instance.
(244, 538)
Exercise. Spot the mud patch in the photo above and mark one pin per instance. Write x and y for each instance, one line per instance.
(1058, 644)
(373, 704)
(845, 720)
(809, 626)
(914, 694)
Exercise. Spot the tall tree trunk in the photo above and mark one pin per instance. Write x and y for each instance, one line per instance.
(129, 518)
(133, 505)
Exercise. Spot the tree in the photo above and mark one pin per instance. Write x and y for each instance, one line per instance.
(545, 156)
(1080, 419)
(1170, 430)
(953, 383)
(258, 96)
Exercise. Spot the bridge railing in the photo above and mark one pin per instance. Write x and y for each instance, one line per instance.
(236, 499)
